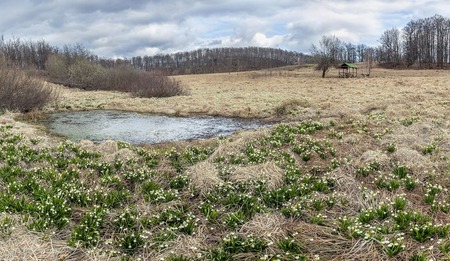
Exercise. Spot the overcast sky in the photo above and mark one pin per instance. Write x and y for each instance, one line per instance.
(121, 28)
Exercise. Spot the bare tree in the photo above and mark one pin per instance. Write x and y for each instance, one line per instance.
(327, 54)
(391, 47)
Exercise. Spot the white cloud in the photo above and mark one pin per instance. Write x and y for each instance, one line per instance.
(260, 39)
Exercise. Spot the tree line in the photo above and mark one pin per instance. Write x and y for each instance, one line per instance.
(227, 59)
(422, 43)
(217, 60)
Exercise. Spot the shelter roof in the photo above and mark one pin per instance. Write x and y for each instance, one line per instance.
(348, 65)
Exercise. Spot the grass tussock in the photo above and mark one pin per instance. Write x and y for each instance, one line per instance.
(289, 106)
(268, 171)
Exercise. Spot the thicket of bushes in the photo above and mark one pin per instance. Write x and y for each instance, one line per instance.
(72, 66)
(19, 91)
(82, 73)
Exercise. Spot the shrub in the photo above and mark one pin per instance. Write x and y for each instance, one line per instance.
(79, 72)
(57, 68)
(85, 74)
(142, 84)
(22, 92)
(82, 73)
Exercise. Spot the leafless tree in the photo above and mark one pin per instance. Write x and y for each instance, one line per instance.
(424, 43)
(390, 48)
(327, 54)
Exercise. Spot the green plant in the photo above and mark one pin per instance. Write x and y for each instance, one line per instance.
(234, 219)
(6, 227)
(400, 203)
(410, 183)
(318, 219)
(116, 198)
(127, 220)
(131, 241)
(176, 219)
(289, 245)
(162, 238)
(429, 149)
(233, 243)
(394, 246)
(403, 219)
(209, 211)
(218, 254)
(179, 182)
(382, 211)
(293, 209)
(52, 211)
(391, 147)
(161, 195)
(88, 231)
(400, 171)
(423, 233)
(418, 257)
(445, 247)
(443, 230)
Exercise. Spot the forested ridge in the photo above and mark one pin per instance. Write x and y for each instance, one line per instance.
(227, 59)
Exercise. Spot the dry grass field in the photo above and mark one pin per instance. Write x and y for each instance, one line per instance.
(302, 91)
(353, 169)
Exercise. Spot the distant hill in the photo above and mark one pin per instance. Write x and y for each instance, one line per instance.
(218, 60)
(228, 59)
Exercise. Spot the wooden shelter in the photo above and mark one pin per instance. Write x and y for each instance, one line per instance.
(348, 70)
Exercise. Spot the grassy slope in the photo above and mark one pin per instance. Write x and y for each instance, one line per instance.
(366, 178)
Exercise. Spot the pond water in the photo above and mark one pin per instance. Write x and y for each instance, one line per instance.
(139, 128)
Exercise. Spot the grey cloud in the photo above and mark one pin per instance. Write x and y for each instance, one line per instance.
(126, 28)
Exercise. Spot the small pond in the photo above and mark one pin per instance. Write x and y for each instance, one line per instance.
(139, 128)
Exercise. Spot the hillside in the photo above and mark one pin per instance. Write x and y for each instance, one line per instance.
(353, 169)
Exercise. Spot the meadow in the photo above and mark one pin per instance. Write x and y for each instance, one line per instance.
(352, 169)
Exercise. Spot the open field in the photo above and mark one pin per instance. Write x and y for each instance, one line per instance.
(355, 169)
(260, 94)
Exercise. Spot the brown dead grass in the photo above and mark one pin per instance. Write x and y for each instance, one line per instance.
(23, 244)
(267, 225)
(268, 171)
(320, 240)
(204, 176)
(396, 93)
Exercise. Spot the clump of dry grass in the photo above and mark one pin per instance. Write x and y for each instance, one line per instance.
(347, 185)
(325, 243)
(106, 147)
(374, 156)
(237, 143)
(269, 171)
(416, 161)
(188, 246)
(24, 244)
(289, 106)
(267, 225)
(203, 176)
